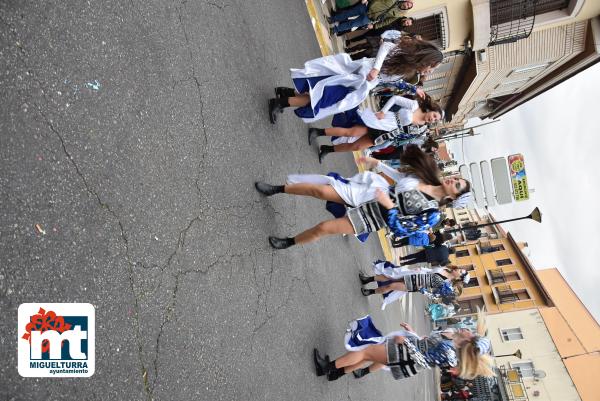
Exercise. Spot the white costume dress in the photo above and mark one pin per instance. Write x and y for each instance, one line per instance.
(362, 187)
(324, 76)
(391, 120)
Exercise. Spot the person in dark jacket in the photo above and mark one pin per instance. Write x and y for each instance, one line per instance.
(436, 255)
(398, 25)
(373, 14)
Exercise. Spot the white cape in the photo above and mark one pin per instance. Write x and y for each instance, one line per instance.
(341, 70)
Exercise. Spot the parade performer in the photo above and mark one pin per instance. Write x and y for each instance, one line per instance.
(386, 273)
(383, 127)
(407, 355)
(408, 208)
(334, 84)
(432, 282)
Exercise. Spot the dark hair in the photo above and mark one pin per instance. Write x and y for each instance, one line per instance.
(450, 222)
(428, 104)
(467, 187)
(400, 2)
(429, 145)
(411, 55)
(420, 164)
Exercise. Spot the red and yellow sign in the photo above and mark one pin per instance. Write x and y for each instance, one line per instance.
(516, 166)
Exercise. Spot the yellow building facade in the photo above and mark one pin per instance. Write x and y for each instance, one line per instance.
(502, 278)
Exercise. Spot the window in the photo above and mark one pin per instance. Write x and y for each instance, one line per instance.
(546, 6)
(511, 334)
(473, 282)
(503, 262)
(525, 368)
(431, 28)
(470, 305)
(512, 276)
(462, 253)
(467, 267)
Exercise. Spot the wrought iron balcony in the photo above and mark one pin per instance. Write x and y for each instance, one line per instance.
(497, 276)
(506, 295)
(512, 384)
(511, 20)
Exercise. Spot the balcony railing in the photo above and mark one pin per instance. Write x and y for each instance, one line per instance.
(497, 276)
(506, 295)
(511, 20)
(513, 385)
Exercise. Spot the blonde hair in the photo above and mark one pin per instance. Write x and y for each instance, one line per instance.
(470, 363)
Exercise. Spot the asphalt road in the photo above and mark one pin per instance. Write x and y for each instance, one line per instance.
(132, 132)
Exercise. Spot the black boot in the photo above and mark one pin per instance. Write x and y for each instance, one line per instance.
(358, 373)
(324, 150)
(334, 373)
(313, 133)
(276, 106)
(365, 279)
(366, 292)
(282, 91)
(281, 243)
(267, 189)
(321, 364)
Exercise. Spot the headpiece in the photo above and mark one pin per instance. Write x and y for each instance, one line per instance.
(463, 200)
(483, 344)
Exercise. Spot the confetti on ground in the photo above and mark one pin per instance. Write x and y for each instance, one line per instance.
(94, 85)
(39, 229)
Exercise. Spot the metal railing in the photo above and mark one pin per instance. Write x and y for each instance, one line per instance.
(497, 276)
(511, 20)
(512, 383)
(506, 295)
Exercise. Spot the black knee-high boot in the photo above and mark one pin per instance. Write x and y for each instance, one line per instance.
(324, 150)
(313, 133)
(366, 292)
(365, 279)
(276, 106)
(334, 373)
(281, 243)
(282, 91)
(358, 373)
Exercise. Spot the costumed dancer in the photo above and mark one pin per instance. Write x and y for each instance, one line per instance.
(383, 127)
(334, 84)
(408, 208)
(407, 355)
(387, 272)
(433, 283)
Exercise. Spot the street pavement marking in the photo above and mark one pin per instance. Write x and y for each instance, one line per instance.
(318, 28)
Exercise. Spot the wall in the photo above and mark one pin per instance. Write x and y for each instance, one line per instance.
(536, 347)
